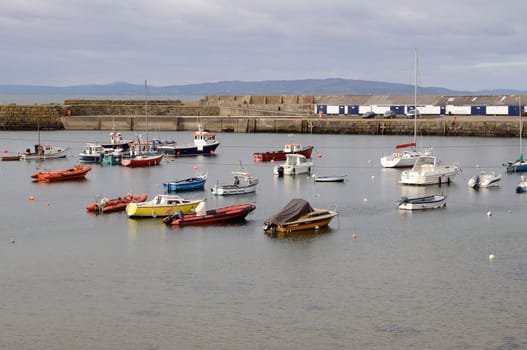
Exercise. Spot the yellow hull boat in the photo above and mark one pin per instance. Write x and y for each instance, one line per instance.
(162, 205)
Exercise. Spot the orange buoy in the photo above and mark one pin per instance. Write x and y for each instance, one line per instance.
(31, 198)
(319, 155)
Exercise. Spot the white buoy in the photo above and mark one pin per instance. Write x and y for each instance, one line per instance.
(365, 200)
(369, 161)
(477, 166)
(492, 257)
(489, 213)
(373, 177)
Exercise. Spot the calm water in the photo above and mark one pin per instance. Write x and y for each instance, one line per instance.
(416, 280)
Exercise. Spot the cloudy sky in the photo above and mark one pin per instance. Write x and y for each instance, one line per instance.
(461, 45)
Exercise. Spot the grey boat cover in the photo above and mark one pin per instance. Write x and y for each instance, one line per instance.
(293, 210)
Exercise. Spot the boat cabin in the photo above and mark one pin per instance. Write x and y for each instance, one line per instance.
(292, 147)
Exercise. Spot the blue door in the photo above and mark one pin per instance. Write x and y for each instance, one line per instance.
(342, 109)
(478, 110)
(353, 109)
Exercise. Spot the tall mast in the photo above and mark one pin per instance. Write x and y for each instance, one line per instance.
(146, 113)
(415, 97)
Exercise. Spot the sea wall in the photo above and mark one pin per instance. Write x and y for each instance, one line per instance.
(15, 117)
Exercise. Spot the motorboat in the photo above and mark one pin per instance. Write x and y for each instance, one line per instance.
(92, 153)
(188, 184)
(289, 148)
(522, 186)
(484, 179)
(298, 215)
(43, 151)
(162, 205)
(243, 183)
(76, 173)
(202, 216)
(295, 164)
(329, 178)
(420, 203)
(429, 170)
(403, 158)
(205, 143)
(105, 205)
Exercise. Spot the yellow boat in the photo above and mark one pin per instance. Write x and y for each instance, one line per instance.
(298, 215)
(162, 205)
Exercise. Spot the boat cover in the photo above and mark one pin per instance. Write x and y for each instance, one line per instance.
(296, 208)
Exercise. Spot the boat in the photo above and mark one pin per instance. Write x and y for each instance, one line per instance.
(205, 143)
(484, 179)
(520, 164)
(76, 173)
(105, 205)
(289, 148)
(420, 203)
(329, 178)
(142, 160)
(429, 170)
(298, 215)
(202, 216)
(117, 141)
(162, 205)
(10, 157)
(243, 183)
(92, 153)
(522, 186)
(295, 164)
(402, 157)
(188, 184)
(43, 151)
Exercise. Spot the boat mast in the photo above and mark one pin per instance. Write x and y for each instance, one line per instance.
(415, 98)
(521, 125)
(146, 113)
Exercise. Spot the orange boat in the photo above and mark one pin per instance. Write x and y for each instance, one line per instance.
(75, 173)
(106, 205)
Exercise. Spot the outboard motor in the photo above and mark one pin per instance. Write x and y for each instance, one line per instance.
(476, 183)
(281, 171)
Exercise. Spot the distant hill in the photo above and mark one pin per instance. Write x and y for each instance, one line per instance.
(331, 86)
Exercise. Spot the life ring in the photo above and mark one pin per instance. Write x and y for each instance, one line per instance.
(395, 155)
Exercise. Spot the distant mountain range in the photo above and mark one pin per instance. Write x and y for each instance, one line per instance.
(331, 86)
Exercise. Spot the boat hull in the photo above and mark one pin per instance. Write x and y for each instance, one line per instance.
(113, 205)
(335, 178)
(313, 221)
(142, 161)
(75, 173)
(280, 155)
(231, 213)
(422, 203)
(162, 205)
(190, 184)
(186, 150)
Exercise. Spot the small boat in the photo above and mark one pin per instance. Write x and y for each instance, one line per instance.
(429, 170)
(518, 166)
(243, 183)
(295, 164)
(289, 148)
(75, 173)
(298, 215)
(205, 143)
(329, 178)
(105, 205)
(142, 160)
(11, 157)
(403, 159)
(421, 203)
(162, 205)
(484, 179)
(522, 186)
(93, 153)
(45, 151)
(117, 141)
(204, 216)
(189, 184)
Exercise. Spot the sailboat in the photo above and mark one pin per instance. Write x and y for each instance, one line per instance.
(141, 154)
(406, 158)
(520, 164)
(43, 151)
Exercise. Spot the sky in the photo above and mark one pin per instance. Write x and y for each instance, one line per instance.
(462, 45)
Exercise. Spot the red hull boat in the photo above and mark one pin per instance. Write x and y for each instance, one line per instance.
(290, 148)
(75, 173)
(142, 161)
(211, 216)
(106, 205)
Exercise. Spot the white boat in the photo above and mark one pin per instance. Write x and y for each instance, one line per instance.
(243, 183)
(295, 164)
(45, 151)
(522, 186)
(329, 178)
(421, 203)
(429, 170)
(485, 179)
(92, 153)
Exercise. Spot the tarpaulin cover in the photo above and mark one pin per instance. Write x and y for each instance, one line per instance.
(293, 210)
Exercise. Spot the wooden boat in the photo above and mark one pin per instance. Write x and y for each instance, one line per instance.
(162, 205)
(484, 179)
(143, 160)
(298, 215)
(45, 151)
(75, 173)
(329, 178)
(289, 148)
(243, 183)
(204, 217)
(295, 164)
(11, 157)
(188, 184)
(421, 203)
(205, 143)
(105, 205)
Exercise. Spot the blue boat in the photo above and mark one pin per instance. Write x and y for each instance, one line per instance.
(518, 166)
(192, 183)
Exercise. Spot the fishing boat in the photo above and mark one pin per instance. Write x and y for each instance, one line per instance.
(188, 184)
(429, 170)
(289, 148)
(92, 153)
(142, 160)
(212, 216)
(329, 178)
(205, 143)
(105, 205)
(520, 164)
(298, 215)
(522, 186)
(76, 173)
(243, 183)
(484, 179)
(162, 205)
(117, 141)
(295, 164)
(43, 151)
(421, 203)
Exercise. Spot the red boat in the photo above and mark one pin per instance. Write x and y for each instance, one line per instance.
(290, 148)
(142, 161)
(75, 173)
(210, 216)
(106, 205)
